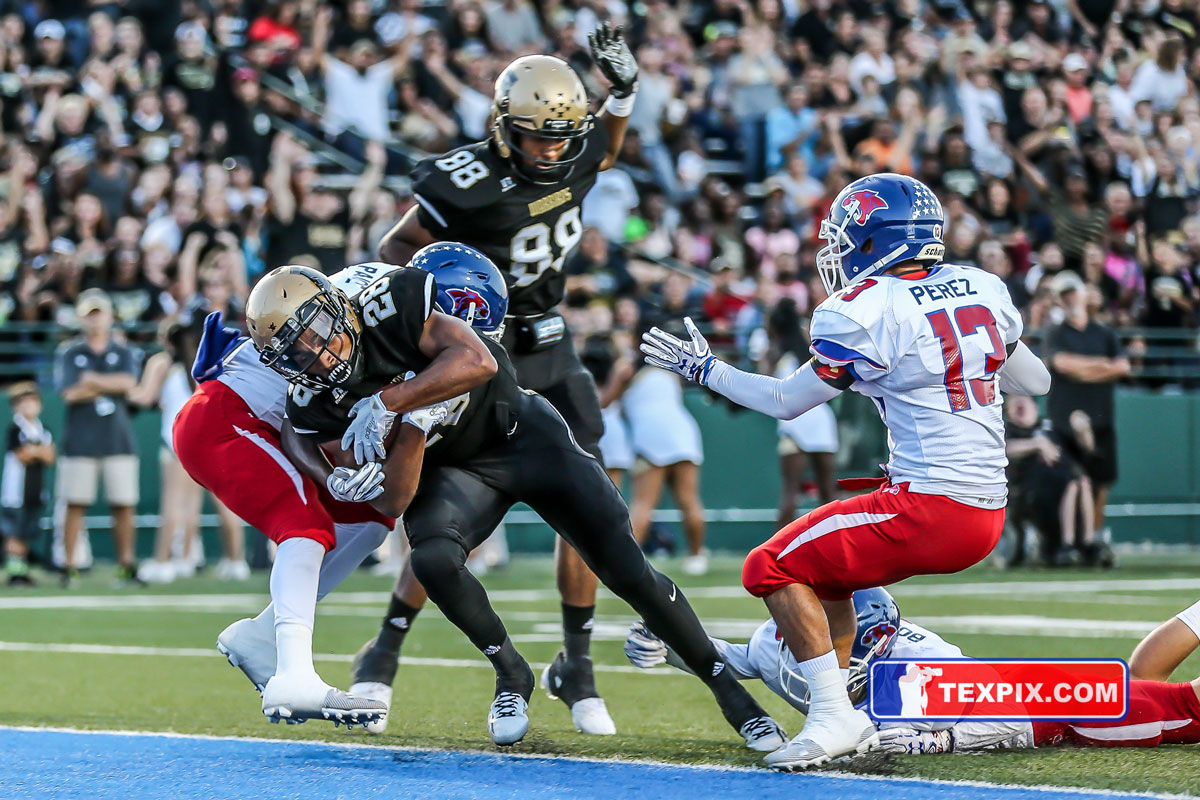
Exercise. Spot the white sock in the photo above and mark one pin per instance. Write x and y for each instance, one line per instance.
(354, 543)
(845, 675)
(1191, 617)
(294, 579)
(294, 643)
(826, 686)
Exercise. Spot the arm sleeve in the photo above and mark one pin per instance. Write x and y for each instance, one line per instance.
(782, 398)
(1024, 373)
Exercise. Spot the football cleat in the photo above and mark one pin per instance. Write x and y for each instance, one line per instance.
(571, 681)
(508, 718)
(824, 738)
(375, 663)
(299, 698)
(250, 646)
(375, 691)
(763, 734)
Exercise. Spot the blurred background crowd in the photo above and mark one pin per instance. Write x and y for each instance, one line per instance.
(156, 158)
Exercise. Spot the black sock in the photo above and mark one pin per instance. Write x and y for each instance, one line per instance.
(397, 623)
(512, 671)
(577, 629)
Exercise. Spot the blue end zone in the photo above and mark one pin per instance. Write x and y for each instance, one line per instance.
(62, 764)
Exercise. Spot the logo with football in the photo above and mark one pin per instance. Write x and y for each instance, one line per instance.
(463, 300)
(862, 204)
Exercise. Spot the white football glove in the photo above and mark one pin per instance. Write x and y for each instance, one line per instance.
(356, 485)
(643, 648)
(426, 418)
(693, 360)
(914, 742)
(370, 423)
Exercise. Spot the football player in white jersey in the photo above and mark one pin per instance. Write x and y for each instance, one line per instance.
(1160, 711)
(933, 345)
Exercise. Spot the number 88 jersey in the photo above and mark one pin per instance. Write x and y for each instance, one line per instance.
(927, 350)
(474, 196)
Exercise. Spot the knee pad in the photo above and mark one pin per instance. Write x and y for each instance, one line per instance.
(437, 560)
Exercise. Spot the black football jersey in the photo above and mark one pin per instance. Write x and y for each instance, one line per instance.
(393, 310)
(474, 196)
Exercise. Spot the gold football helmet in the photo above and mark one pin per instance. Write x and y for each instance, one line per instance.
(540, 96)
(304, 327)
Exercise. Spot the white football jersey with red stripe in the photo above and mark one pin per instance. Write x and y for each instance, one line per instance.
(263, 389)
(927, 351)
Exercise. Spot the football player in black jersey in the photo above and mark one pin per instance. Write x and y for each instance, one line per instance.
(347, 358)
(516, 196)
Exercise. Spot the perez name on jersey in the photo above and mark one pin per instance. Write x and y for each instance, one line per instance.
(473, 195)
(393, 304)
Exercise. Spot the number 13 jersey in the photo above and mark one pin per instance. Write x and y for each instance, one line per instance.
(472, 195)
(927, 351)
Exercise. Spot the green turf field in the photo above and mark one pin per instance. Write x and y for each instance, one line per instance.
(102, 658)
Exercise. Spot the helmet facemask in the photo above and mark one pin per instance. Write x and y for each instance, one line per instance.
(320, 333)
(541, 170)
(838, 245)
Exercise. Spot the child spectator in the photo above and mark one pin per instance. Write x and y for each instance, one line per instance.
(27, 453)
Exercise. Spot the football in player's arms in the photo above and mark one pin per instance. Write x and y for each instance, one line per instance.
(347, 356)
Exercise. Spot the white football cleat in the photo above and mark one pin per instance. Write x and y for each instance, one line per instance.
(375, 691)
(763, 734)
(250, 646)
(508, 718)
(826, 737)
(590, 714)
(299, 698)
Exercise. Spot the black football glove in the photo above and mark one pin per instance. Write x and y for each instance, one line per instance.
(612, 55)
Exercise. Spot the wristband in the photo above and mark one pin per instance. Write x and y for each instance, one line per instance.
(620, 106)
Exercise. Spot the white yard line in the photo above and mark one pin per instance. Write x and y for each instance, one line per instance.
(850, 776)
(1067, 590)
(201, 652)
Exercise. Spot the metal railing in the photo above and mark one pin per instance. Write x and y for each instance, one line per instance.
(1160, 355)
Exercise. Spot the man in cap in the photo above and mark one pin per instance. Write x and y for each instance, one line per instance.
(93, 374)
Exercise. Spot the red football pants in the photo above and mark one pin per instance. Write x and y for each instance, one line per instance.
(238, 457)
(1159, 713)
(873, 540)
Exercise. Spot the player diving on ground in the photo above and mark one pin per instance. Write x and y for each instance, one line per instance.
(360, 352)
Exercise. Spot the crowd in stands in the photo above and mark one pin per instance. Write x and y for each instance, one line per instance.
(168, 154)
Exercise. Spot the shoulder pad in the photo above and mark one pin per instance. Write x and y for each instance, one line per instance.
(462, 179)
(865, 302)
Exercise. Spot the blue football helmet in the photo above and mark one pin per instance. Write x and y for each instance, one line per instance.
(469, 285)
(878, 621)
(875, 223)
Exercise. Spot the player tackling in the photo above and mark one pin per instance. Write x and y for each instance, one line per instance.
(933, 345)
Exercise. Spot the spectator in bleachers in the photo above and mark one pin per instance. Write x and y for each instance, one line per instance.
(28, 452)
(1086, 361)
(94, 375)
